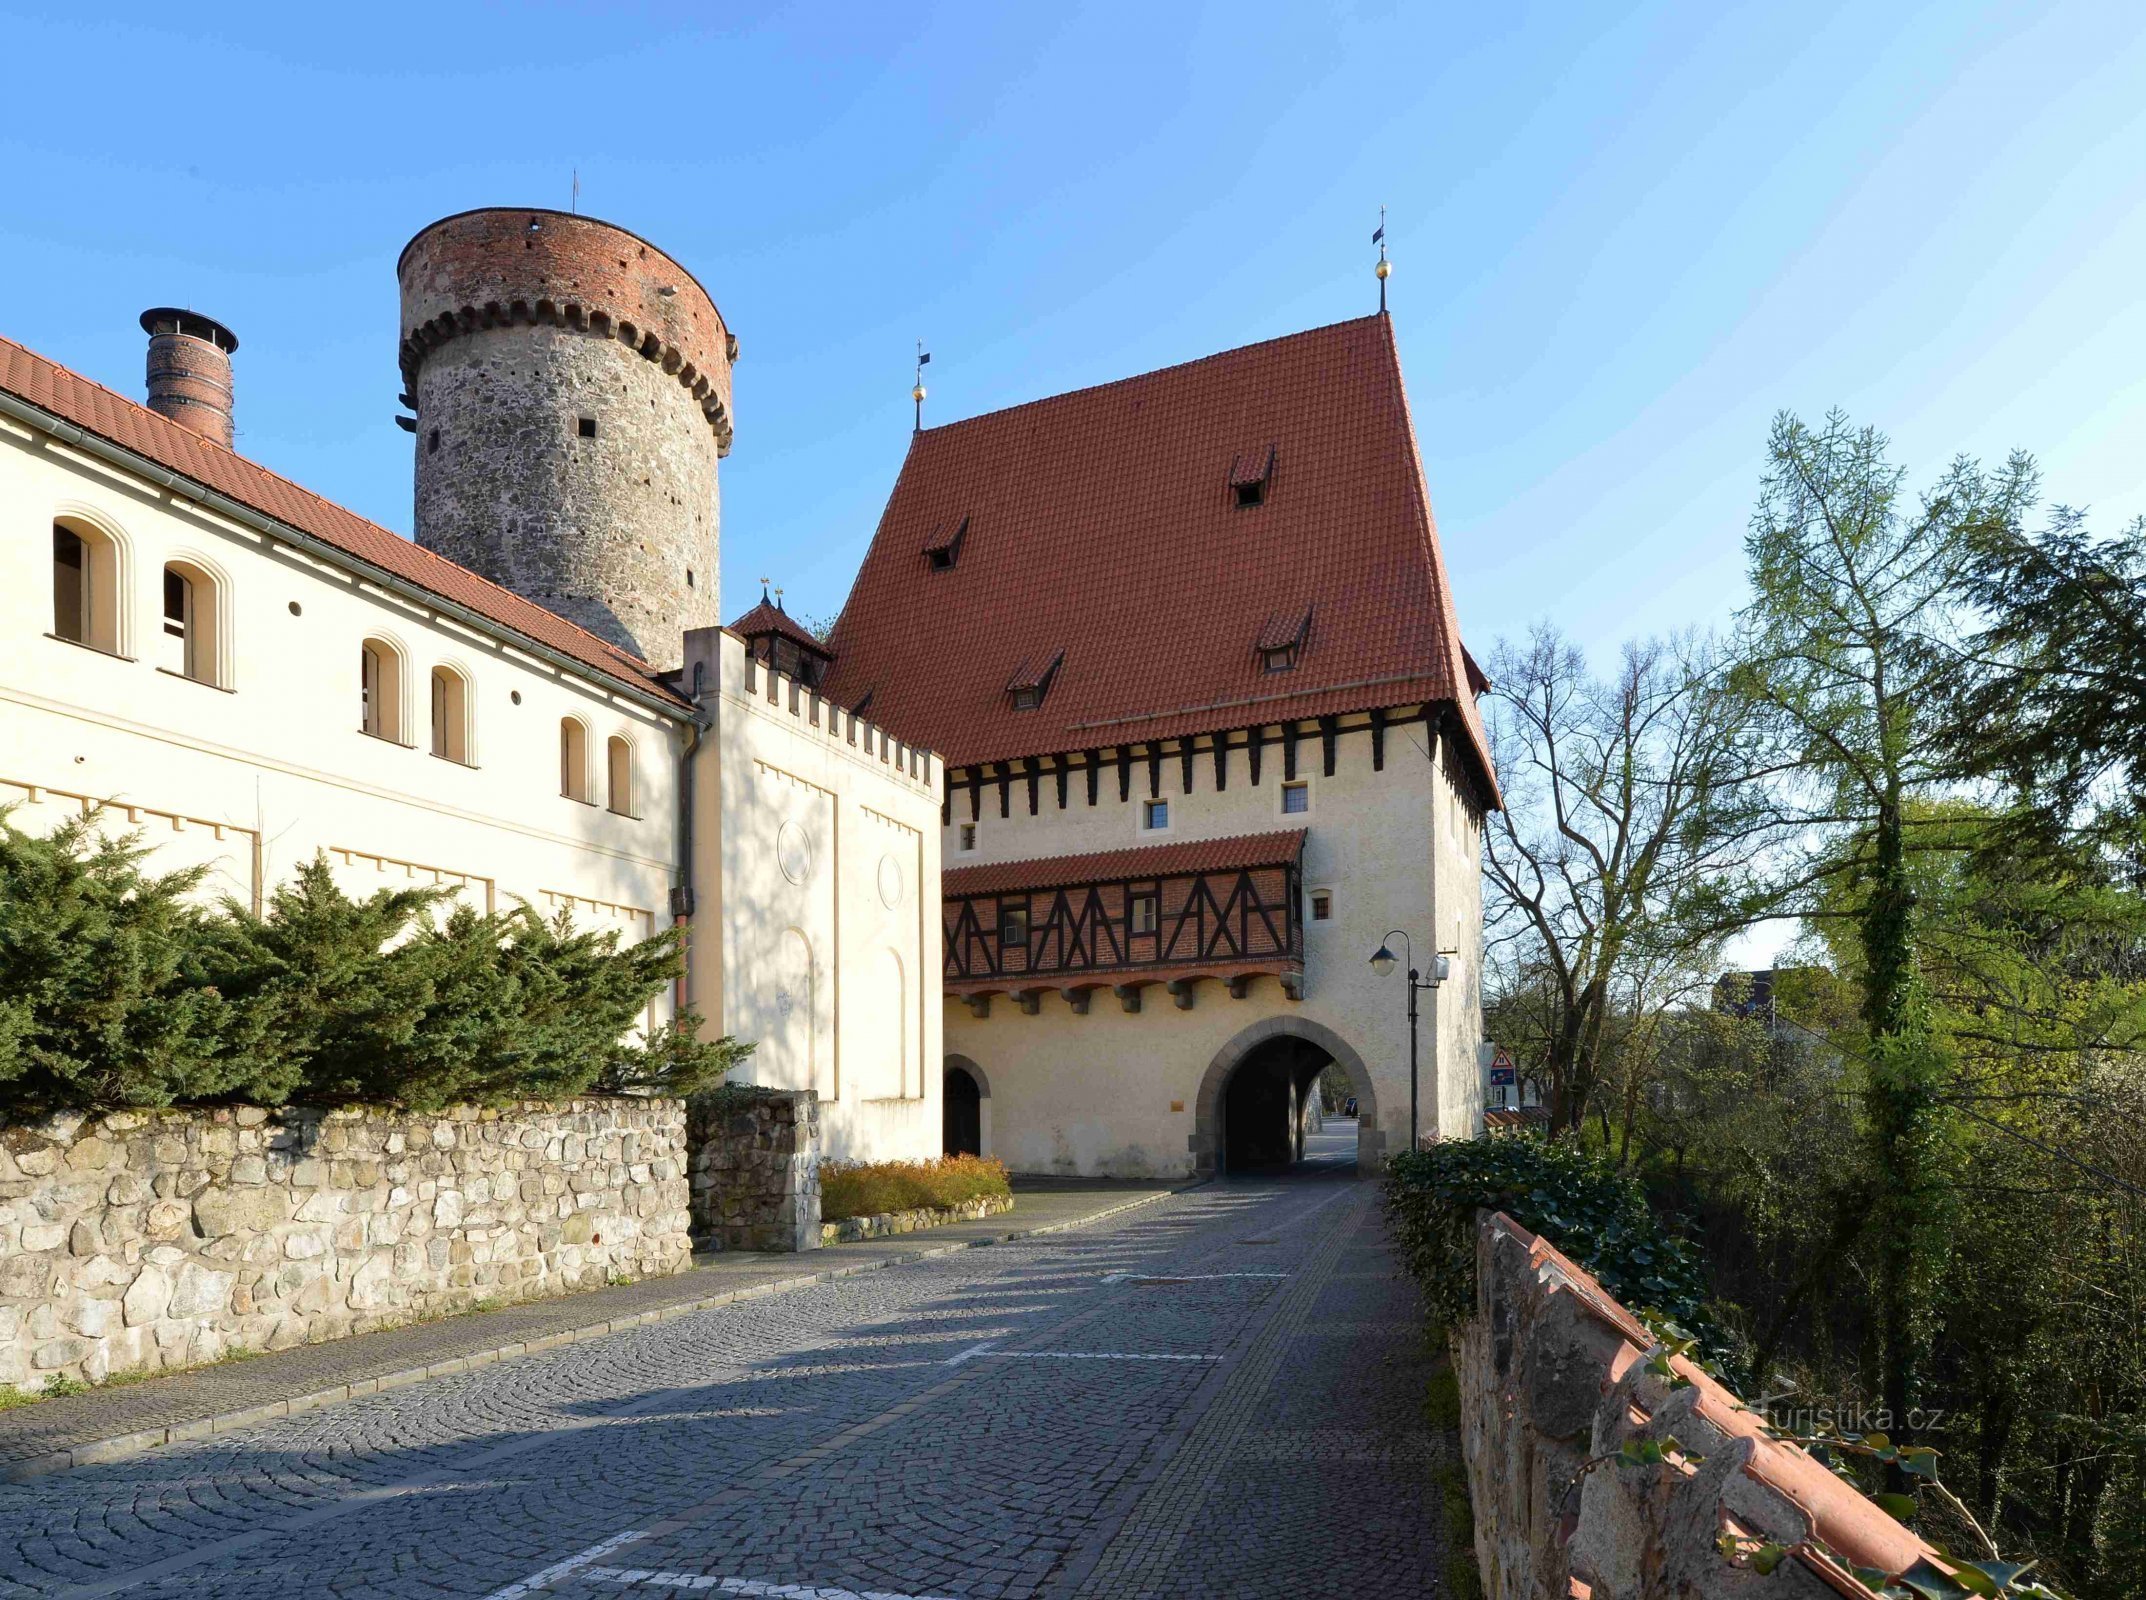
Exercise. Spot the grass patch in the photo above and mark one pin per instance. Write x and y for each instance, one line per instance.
(867, 1188)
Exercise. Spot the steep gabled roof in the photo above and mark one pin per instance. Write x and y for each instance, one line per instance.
(1106, 523)
(112, 417)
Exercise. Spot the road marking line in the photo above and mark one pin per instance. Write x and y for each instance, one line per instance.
(1087, 1355)
(970, 1354)
(1184, 1277)
(566, 1568)
(745, 1586)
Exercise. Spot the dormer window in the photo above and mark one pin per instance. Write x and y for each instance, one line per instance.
(943, 549)
(1250, 474)
(1032, 679)
(1281, 642)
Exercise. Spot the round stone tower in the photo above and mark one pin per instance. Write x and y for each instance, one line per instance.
(572, 390)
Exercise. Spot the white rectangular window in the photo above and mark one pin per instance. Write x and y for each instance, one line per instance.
(1154, 814)
(1144, 913)
(1322, 905)
(966, 838)
(1296, 798)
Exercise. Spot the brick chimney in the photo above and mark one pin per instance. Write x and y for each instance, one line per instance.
(190, 370)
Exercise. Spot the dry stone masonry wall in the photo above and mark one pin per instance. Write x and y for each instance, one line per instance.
(1554, 1382)
(756, 1168)
(145, 1240)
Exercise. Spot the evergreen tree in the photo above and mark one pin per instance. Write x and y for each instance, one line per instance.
(100, 1003)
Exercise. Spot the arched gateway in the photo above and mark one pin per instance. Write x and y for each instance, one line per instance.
(1243, 1117)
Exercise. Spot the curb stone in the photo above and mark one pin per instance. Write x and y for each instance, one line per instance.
(118, 1447)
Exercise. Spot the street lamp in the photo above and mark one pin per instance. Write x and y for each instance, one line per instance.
(1382, 963)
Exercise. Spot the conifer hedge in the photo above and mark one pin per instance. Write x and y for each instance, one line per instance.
(120, 988)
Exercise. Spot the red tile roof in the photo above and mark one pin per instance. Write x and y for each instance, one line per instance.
(1113, 866)
(1220, 969)
(1103, 522)
(767, 617)
(98, 410)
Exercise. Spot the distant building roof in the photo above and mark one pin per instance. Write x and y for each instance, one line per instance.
(1184, 857)
(1123, 526)
(112, 417)
(767, 617)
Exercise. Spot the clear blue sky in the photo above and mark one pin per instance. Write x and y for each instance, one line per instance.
(1623, 237)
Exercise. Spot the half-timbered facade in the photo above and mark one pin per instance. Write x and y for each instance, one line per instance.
(1187, 643)
(1126, 920)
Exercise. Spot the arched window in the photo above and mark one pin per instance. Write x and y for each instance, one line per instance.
(450, 715)
(85, 587)
(574, 760)
(188, 642)
(618, 767)
(380, 689)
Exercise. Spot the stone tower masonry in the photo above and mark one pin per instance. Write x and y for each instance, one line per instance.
(572, 390)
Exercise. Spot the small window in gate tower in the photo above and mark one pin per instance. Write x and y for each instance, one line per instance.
(967, 837)
(1145, 913)
(1296, 798)
(1322, 906)
(1013, 926)
(1154, 814)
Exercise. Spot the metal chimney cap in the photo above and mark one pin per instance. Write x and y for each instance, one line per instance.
(177, 319)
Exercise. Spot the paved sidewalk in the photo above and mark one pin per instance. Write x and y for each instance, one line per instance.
(109, 1423)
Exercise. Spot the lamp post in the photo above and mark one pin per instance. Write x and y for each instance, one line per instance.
(1382, 963)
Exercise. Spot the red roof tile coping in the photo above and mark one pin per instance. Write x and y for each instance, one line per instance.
(112, 417)
(1177, 859)
(1103, 522)
(1848, 1522)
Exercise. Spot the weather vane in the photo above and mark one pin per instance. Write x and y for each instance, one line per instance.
(917, 394)
(1385, 267)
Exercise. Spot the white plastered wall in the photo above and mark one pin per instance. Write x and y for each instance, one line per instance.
(1112, 1093)
(267, 767)
(817, 857)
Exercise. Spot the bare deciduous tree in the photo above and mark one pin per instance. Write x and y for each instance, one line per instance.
(1623, 840)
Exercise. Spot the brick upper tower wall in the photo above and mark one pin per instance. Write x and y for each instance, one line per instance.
(572, 389)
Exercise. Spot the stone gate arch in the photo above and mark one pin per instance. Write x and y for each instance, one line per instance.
(1206, 1140)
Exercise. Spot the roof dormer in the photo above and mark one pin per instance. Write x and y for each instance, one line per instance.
(1031, 680)
(1251, 474)
(943, 549)
(1281, 642)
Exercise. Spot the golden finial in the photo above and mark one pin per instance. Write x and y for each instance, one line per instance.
(917, 394)
(1384, 269)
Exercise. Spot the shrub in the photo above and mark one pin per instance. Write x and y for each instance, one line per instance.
(867, 1188)
(116, 989)
(1578, 1201)
(101, 998)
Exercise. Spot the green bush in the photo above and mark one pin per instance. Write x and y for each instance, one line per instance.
(117, 989)
(1579, 1202)
(867, 1188)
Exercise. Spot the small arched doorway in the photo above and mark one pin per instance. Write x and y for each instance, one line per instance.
(962, 1110)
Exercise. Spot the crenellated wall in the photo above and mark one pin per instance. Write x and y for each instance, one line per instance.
(144, 1240)
(1553, 1382)
(822, 885)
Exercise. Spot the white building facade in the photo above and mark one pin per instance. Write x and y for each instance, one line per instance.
(199, 652)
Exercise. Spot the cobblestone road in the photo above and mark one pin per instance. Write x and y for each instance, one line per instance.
(1216, 1395)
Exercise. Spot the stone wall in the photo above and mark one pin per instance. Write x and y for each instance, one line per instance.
(155, 1239)
(1553, 1379)
(755, 1168)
